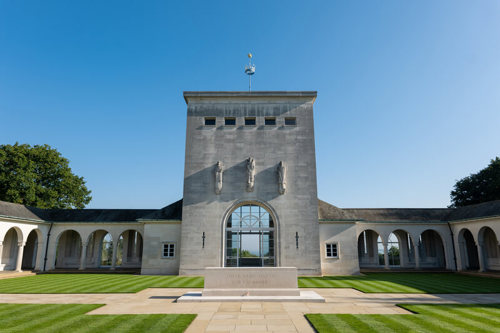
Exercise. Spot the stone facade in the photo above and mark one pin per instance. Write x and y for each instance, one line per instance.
(205, 211)
(265, 158)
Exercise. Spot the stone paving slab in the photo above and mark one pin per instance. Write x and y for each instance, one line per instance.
(14, 274)
(304, 296)
(252, 316)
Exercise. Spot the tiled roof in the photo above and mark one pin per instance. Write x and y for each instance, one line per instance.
(170, 212)
(326, 211)
(330, 212)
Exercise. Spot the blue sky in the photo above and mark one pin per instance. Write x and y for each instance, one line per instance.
(408, 91)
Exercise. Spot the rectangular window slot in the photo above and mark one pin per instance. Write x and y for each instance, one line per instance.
(209, 121)
(270, 121)
(290, 121)
(332, 250)
(230, 121)
(168, 250)
(249, 121)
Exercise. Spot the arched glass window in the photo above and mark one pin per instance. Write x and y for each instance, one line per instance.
(250, 238)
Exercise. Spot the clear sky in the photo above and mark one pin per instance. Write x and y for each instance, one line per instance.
(408, 91)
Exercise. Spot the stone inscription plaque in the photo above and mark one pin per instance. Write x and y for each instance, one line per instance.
(251, 278)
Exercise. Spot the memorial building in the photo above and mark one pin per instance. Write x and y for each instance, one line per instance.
(250, 200)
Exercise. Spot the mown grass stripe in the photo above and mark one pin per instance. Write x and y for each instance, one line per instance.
(98, 323)
(377, 324)
(372, 286)
(130, 324)
(491, 311)
(392, 323)
(478, 321)
(31, 325)
(306, 283)
(154, 322)
(450, 318)
(165, 322)
(56, 317)
(416, 323)
(74, 282)
(181, 321)
(116, 286)
(447, 321)
(386, 286)
(345, 326)
(329, 323)
(23, 321)
(10, 313)
(357, 323)
(323, 284)
(72, 318)
(342, 284)
(370, 283)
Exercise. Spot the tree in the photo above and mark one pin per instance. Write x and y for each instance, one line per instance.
(478, 187)
(40, 177)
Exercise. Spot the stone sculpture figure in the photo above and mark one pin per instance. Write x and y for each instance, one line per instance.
(282, 177)
(250, 174)
(219, 169)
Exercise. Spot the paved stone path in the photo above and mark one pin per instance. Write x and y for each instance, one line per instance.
(251, 316)
(12, 274)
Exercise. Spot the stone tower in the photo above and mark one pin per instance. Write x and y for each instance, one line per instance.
(250, 193)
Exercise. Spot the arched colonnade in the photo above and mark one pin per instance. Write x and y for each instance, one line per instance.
(21, 247)
(478, 248)
(399, 248)
(98, 248)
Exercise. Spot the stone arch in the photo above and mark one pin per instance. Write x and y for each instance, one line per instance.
(431, 249)
(12, 239)
(129, 249)
(31, 249)
(406, 248)
(235, 237)
(368, 249)
(98, 249)
(468, 250)
(490, 248)
(68, 249)
(18, 231)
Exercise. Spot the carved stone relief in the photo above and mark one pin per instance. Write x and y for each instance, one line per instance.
(219, 169)
(250, 174)
(282, 177)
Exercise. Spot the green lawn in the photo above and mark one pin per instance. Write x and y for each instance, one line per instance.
(93, 283)
(429, 318)
(71, 318)
(438, 283)
(434, 283)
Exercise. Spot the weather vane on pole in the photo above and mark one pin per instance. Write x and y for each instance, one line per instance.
(250, 70)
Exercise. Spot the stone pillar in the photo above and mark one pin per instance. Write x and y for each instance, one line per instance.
(373, 242)
(386, 257)
(20, 251)
(126, 236)
(1, 251)
(83, 257)
(417, 256)
(480, 257)
(460, 255)
(403, 252)
(39, 256)
(113, 258)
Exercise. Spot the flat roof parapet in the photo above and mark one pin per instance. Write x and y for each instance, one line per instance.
(248, 94)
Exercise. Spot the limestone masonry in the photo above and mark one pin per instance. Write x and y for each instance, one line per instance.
(250, 200)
